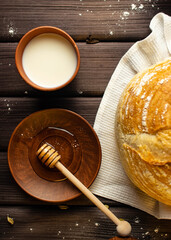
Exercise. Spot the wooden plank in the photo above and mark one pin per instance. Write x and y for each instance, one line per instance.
(12, 194)
(13, 110)
(48, 222)
(104, 20)
(98, 62)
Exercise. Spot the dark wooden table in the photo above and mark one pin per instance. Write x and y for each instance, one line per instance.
(104, 30)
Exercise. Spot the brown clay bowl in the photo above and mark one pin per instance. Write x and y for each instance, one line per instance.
(27, 38)
(74, 139)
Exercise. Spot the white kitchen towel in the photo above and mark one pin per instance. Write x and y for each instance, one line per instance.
(112, 182)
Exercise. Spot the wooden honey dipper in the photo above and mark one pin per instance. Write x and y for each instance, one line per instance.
(50, 157)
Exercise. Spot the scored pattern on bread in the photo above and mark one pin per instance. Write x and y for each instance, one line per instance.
(146, 176)
(146, 105)
(143, 131)
(154, 149)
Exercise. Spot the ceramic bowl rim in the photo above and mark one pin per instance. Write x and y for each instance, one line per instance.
(27, 38)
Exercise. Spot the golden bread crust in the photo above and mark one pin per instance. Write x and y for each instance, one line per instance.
(143, 131)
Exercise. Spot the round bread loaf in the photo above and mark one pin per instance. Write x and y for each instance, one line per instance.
(143, 131)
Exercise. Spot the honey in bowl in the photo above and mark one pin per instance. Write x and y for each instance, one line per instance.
(49, 60)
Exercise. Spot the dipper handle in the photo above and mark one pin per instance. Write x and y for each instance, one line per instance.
(50, 158)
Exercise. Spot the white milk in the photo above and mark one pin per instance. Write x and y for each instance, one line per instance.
(49, 60)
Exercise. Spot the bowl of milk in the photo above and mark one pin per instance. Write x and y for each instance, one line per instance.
(47, 58)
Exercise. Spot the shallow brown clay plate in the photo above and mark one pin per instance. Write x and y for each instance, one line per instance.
(74, 139)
